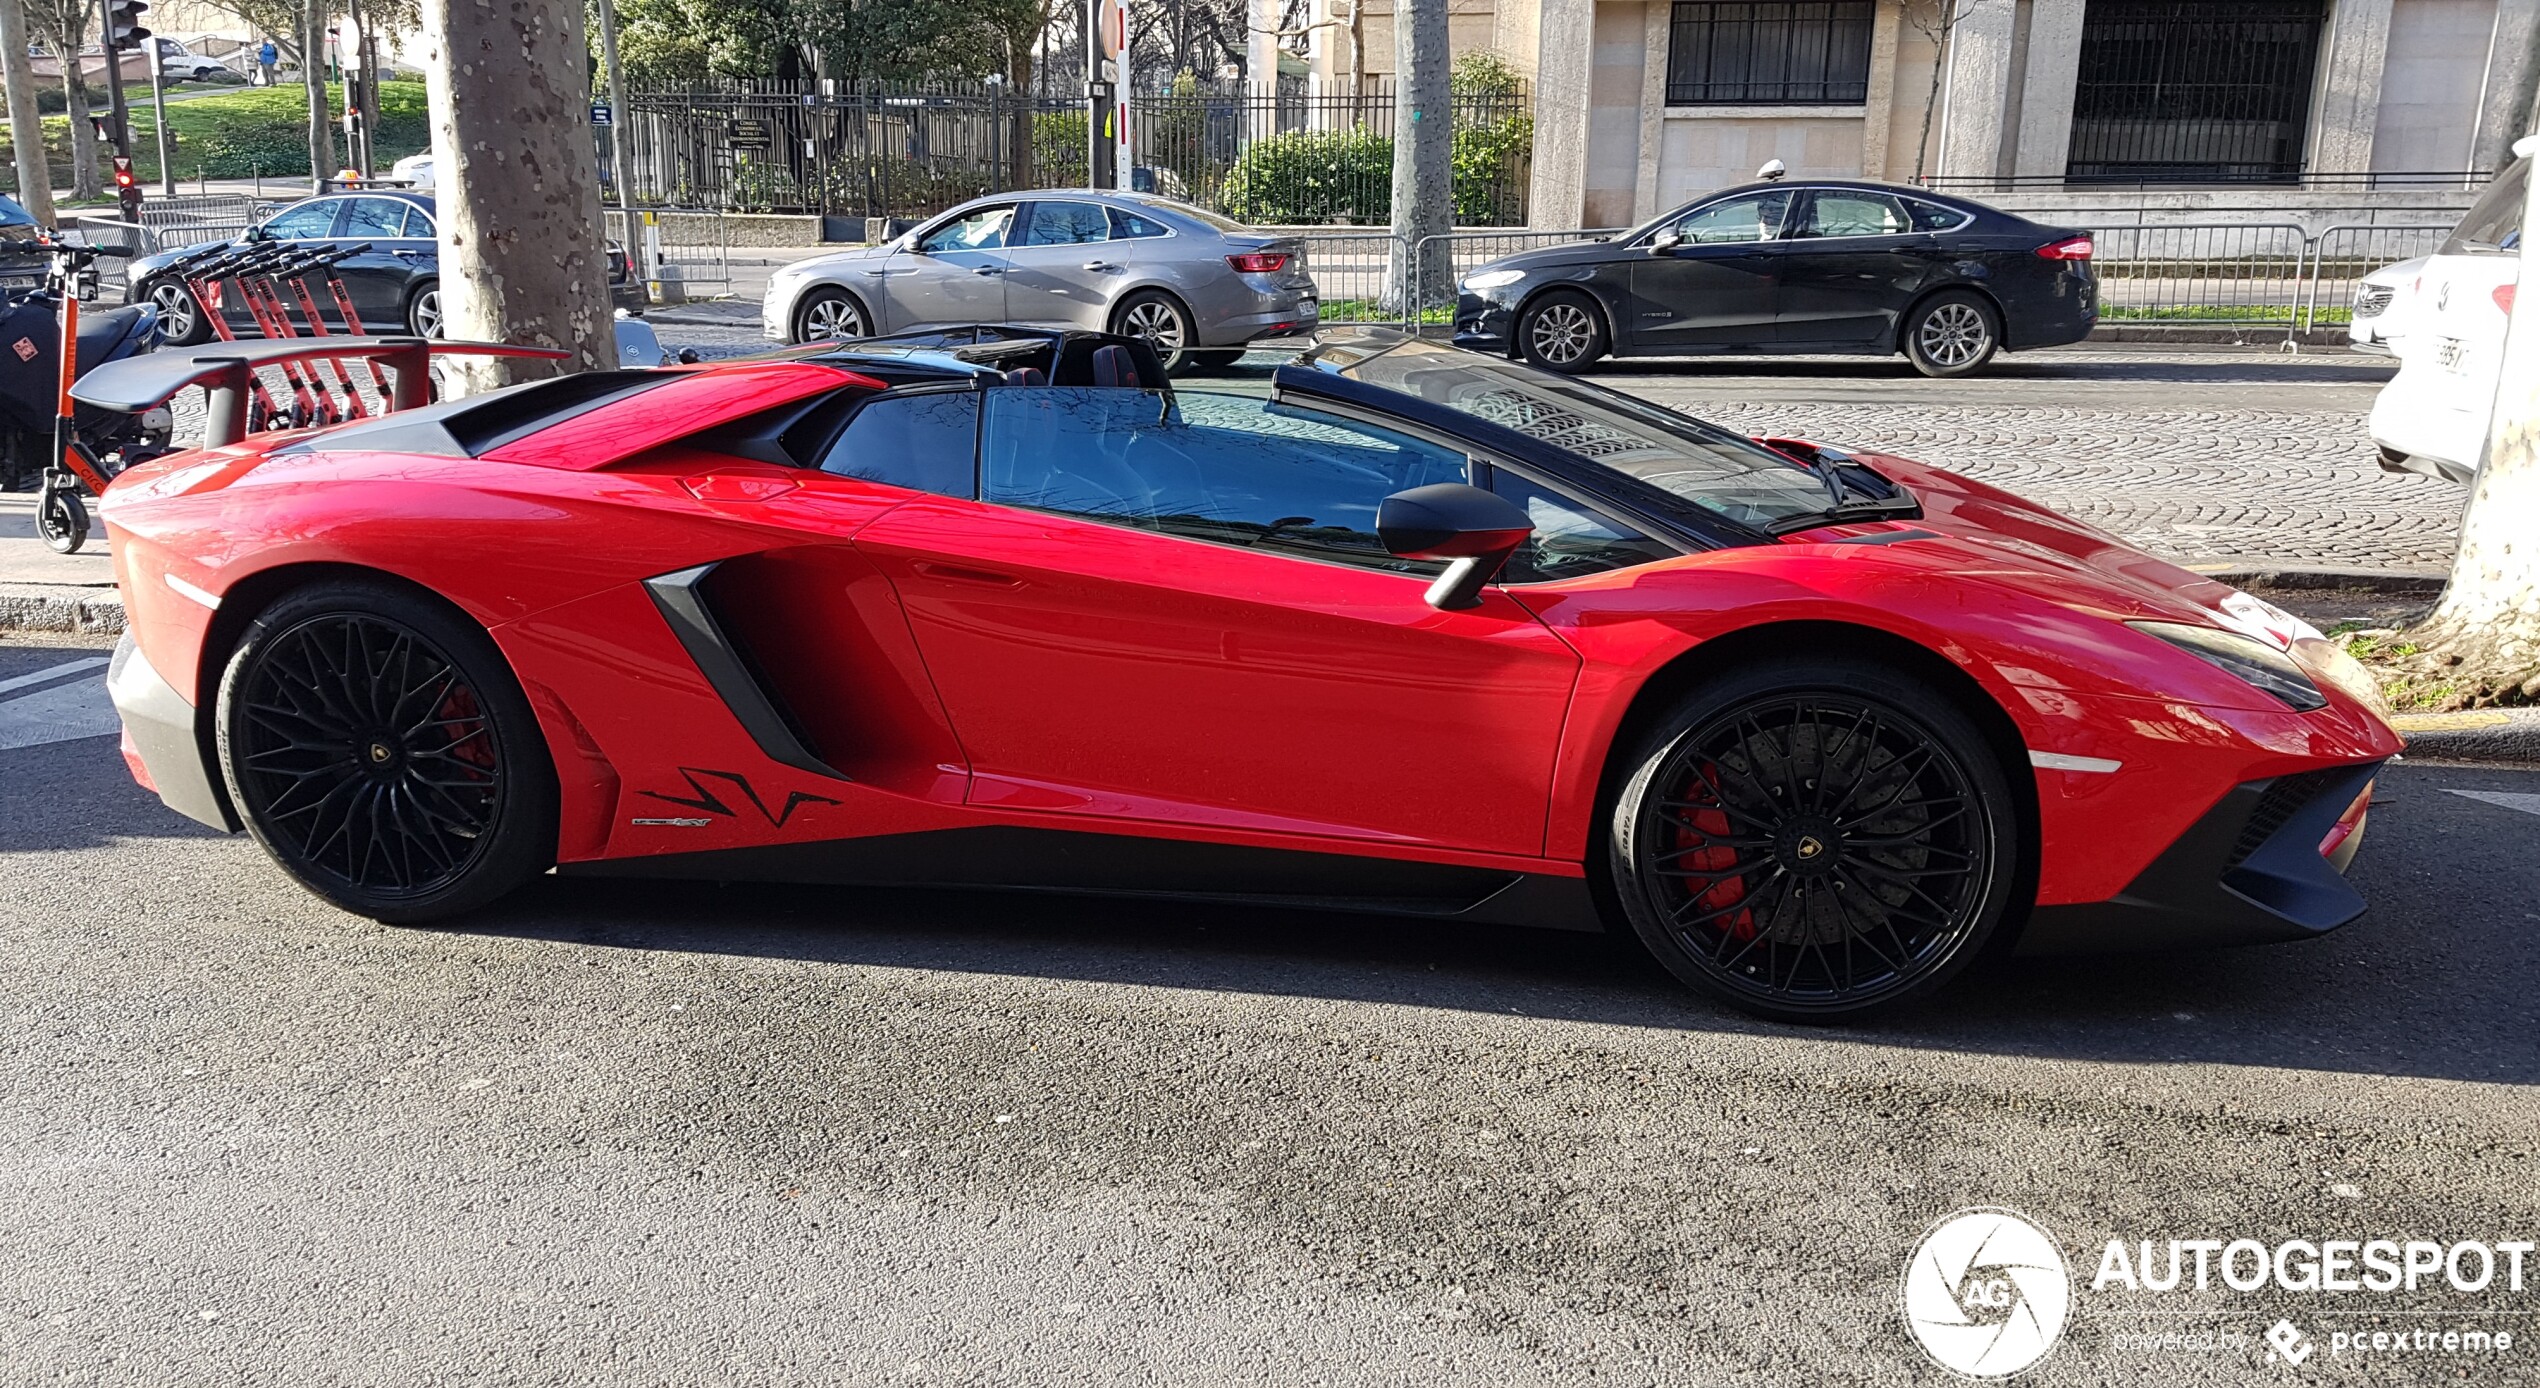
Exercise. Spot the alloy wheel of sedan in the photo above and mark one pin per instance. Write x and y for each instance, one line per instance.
(1954, 334)
(180, 320)
(426, 317)
(1161, 322)
(1561, 333)
(832, 316)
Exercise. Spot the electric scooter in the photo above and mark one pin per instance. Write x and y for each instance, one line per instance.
(44, 347)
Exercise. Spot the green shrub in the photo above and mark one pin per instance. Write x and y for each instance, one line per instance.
(1311, 177)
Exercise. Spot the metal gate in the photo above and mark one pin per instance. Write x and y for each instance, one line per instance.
(2191, 89)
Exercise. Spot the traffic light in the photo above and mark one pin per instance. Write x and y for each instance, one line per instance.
(123, 174)
(123, 23)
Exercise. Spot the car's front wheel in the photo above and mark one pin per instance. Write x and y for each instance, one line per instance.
(378, 748)
(182, 322)
(1953, 334)
(827, 315)
(1811, 839)
(1562, 331)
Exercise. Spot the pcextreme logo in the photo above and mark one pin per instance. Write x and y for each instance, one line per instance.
(1986, 1292)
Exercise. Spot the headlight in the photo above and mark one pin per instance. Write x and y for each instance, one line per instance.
(2252, 660)
(2264, 620)
(1493, 279)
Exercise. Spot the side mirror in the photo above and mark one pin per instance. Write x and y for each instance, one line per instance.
(1666, 241)
(1475, 529)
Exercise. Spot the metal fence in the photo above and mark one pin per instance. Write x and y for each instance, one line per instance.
(2192, 275)
(2342, 255)
(863, 150)
(689, 250)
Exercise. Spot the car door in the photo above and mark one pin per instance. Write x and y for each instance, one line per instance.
(379, 278)
(1851, 263)
(1061, 271)
(1717, 284)
(1178, 613)
(953, 272)
(306, 223)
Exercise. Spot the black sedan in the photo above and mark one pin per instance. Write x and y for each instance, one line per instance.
(395, 285)
(1822, 266)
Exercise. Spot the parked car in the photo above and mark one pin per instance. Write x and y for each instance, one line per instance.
(415, 170)
(21, 264)
(2432, 418)
(1431, 632)
(2381, 306)
(395, 286)
(177, 61)
(1196, 285)
(1822, 265)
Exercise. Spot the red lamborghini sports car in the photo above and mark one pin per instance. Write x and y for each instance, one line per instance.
(1418, 631)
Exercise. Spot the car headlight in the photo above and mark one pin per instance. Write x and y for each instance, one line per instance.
(2253, 661)
(2262, 619)
(1494, 279)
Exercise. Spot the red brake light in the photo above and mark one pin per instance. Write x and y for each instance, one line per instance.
(2078, 248)
(1259, 262)
(2505, 297)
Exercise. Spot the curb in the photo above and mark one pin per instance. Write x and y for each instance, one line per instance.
(2483, 735)
(47, 607)
(2394, 582)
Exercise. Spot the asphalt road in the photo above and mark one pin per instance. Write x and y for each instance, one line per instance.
(686, 1135)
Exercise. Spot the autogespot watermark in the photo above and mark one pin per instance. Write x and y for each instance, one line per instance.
(1988, 1293)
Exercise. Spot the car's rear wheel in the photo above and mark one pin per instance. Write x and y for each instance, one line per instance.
(1162, 321)
(423, 310)
(1809, 840)
(377, 746)
(1562, 331)
(182, 322)
(1953, 334)
(827, 315)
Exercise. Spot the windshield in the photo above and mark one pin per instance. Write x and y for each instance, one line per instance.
(12, 215)
(2494, 223)
(1708, 466)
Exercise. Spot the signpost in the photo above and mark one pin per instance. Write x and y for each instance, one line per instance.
(600, 114)
(753, 135)
(1107, 159)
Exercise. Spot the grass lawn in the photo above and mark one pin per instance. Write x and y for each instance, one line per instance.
(241, 133)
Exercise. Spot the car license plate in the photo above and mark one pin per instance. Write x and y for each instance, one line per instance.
(2449, 352)
(1309, 307)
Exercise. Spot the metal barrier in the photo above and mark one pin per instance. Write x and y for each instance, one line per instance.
(195, 219)
(674, 247)
(1353, 275)
(2196, 275)
(1468, 251)
(2342, 255)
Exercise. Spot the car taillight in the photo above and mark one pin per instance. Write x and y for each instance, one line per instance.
(2078, 248)
(2505, 297)
(1259, 262)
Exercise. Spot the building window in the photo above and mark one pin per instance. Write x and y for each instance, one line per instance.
(1757, 54)
(2190, 91)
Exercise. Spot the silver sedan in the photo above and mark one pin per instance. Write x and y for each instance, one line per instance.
(1198, 286)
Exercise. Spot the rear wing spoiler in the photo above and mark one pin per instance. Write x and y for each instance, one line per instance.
(223, 369)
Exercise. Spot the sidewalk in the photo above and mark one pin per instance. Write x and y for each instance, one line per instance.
(44, 591)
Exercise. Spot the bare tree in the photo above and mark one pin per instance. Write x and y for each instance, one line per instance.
(65, 25)
(26, 128)
(1423, 177)
(2483, 638)
(522, 256)
(1936, 24)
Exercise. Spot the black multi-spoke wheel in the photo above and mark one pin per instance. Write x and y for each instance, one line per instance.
(1807, 842)
(378, 748)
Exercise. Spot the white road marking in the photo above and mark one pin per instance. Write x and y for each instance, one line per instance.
(62, 713)
(2510, 799)
(51, 673)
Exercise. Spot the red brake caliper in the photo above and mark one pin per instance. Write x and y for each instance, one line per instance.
(1708, 824)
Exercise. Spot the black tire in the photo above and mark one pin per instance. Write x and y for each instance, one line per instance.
(1563, 331)
(1217, 358)
(1738, 854)
(61, 519)
(423, 310)
(1162, 321)
(379, 749)
(1952, 334)
(830, 315)
(182, 321)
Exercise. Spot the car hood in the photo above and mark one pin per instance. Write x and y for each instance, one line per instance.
(142, 267)
(1559, 257)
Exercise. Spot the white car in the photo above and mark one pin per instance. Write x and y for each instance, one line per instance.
(415, 170)
(2383, 300)
(2432, 418)
(178, 62)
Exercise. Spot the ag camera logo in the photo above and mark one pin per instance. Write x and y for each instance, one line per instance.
(1986, 1293)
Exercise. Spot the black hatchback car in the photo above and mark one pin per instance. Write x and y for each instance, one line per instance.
(1818, 266)
(395, 285)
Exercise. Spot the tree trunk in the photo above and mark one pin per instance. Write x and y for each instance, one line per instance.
(1020, 152)
(522, 256)
(313, 80)
(84, 183)
(1931, 98)
(1423, 177)
(2484, 636)
(35, 178)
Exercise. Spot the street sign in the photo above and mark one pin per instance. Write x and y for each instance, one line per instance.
(600, 114)
(749, 134)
